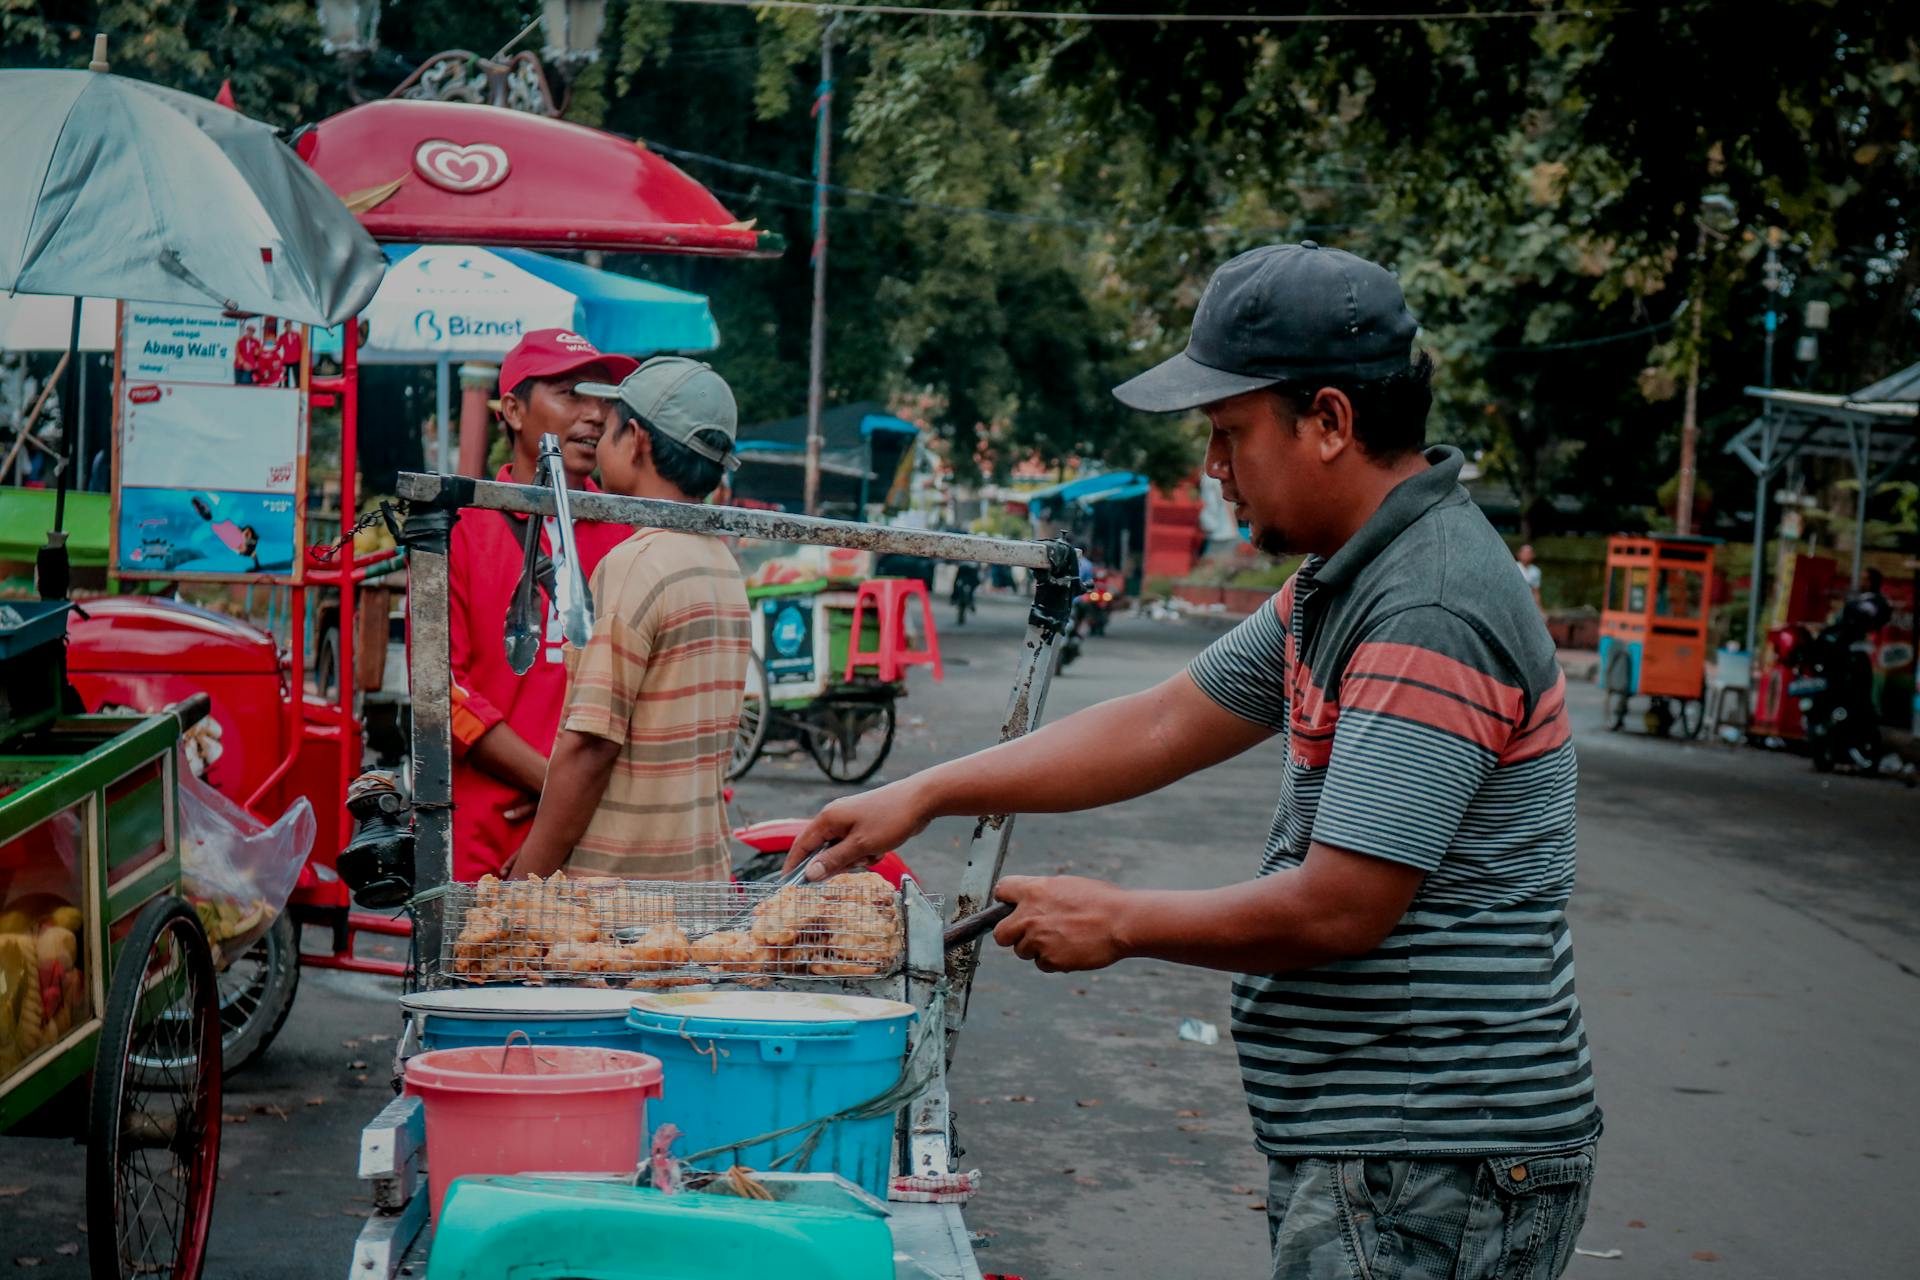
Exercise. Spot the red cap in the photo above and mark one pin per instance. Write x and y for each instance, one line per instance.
(549, 353)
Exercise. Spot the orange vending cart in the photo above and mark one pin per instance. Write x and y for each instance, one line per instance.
(1653, 630)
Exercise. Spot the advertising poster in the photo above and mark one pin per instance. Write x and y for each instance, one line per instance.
(790, 640)
(210, 421)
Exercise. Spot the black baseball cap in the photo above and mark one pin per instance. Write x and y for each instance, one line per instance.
(1282, 313)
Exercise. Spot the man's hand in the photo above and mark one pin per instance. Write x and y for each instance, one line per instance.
(1063, 923)
(522, 809)
(855, 830)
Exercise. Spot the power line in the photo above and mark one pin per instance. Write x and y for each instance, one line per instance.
(1575, 344)
(994, 215)
(1240, 19)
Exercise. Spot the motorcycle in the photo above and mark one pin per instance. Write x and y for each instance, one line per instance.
(1100, 599)
(966, 581)
(1833, 681)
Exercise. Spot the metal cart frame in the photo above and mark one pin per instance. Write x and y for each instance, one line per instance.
(392, 1146)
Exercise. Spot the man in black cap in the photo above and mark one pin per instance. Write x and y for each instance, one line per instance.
(1403, 1005)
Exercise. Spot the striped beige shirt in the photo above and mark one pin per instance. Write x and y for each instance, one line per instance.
(662, 675)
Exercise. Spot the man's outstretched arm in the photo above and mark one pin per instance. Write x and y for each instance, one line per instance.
(1108, 753)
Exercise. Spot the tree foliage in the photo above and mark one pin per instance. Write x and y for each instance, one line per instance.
(1051, 197)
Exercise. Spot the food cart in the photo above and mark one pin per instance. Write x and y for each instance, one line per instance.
(109, 1021)
(554, 1225)
(1653, 629)
(802, 693)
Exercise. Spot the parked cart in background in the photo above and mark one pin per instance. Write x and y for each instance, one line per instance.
(1653, 630)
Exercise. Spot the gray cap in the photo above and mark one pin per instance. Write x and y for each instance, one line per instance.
(1282, 313)
(679, 398)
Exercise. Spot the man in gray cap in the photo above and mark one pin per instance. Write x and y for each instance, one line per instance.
(1403, 1002)
(634, 784)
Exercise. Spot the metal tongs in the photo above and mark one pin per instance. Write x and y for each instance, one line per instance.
(561, 575)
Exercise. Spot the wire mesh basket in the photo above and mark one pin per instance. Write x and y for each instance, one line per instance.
(651, 934)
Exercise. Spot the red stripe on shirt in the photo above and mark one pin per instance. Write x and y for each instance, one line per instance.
(1411, 662)
(1428, 707)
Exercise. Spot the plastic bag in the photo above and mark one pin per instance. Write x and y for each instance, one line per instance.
(237, 870)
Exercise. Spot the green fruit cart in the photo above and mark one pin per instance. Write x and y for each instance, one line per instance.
(109, 1015)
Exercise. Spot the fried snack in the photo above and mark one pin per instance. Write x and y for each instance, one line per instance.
(663, 946)
(860, 887)
(781, 919)
(556, 923)
(490, 893)
(483, 926)
(586, 957)
(730, 951)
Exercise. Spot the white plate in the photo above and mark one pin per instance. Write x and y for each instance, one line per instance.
(771, 1006)
(521, 1002)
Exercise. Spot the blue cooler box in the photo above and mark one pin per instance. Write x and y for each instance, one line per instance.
(742, 1063)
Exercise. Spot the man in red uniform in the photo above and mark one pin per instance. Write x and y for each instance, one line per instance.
(503, 724)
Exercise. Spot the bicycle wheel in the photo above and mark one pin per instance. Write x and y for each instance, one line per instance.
(754, 713)
(850, 740)
(256, 994)
(154, 1146)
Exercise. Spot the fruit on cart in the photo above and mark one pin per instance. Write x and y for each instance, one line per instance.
(55, 947)
(66, 918)
(232, 925)
(31, 1028)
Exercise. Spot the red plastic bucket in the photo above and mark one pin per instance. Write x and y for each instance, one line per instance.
(525, 1108)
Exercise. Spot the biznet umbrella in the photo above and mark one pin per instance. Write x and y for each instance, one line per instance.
(445, 303)
(119, 189)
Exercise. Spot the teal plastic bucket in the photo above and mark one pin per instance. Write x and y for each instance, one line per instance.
(742, 1063)
(475, 1017)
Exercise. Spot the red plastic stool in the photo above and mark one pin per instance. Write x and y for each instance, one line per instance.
(890, 598)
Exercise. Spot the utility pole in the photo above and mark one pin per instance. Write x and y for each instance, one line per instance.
(817, 348)
(1721, 207)
(1690, 419)
(1757, 575)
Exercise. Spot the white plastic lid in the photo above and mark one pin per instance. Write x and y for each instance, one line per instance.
(770, 1006)
(521, 1003)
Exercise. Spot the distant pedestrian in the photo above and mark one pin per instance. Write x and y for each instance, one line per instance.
(1530, 571)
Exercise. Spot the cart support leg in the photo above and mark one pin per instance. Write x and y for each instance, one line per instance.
(1050, 616)
(430, 683)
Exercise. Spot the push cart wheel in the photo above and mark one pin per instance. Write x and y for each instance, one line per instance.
(1619, 691)
(850, 740)
(256, 994)
(754, 713)
(153, 1149)
(1693, 717)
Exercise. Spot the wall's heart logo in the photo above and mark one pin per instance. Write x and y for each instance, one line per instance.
(478, 166)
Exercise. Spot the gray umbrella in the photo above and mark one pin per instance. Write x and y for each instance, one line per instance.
(118, 189)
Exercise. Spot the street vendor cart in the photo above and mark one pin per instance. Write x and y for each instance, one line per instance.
(898, 1205)
(109, 1017)
(1653, 630)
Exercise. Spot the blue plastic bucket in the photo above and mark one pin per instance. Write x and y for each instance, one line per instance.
(743, 1063)
(472, 1017)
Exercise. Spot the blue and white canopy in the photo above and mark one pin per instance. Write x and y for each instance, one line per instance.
(461, 302)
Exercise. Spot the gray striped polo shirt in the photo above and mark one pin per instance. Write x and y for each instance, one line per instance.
(1424, 716)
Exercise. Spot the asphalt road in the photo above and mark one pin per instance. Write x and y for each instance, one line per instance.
(1748, 940)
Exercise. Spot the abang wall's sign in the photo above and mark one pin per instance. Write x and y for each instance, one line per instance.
(210, 433)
